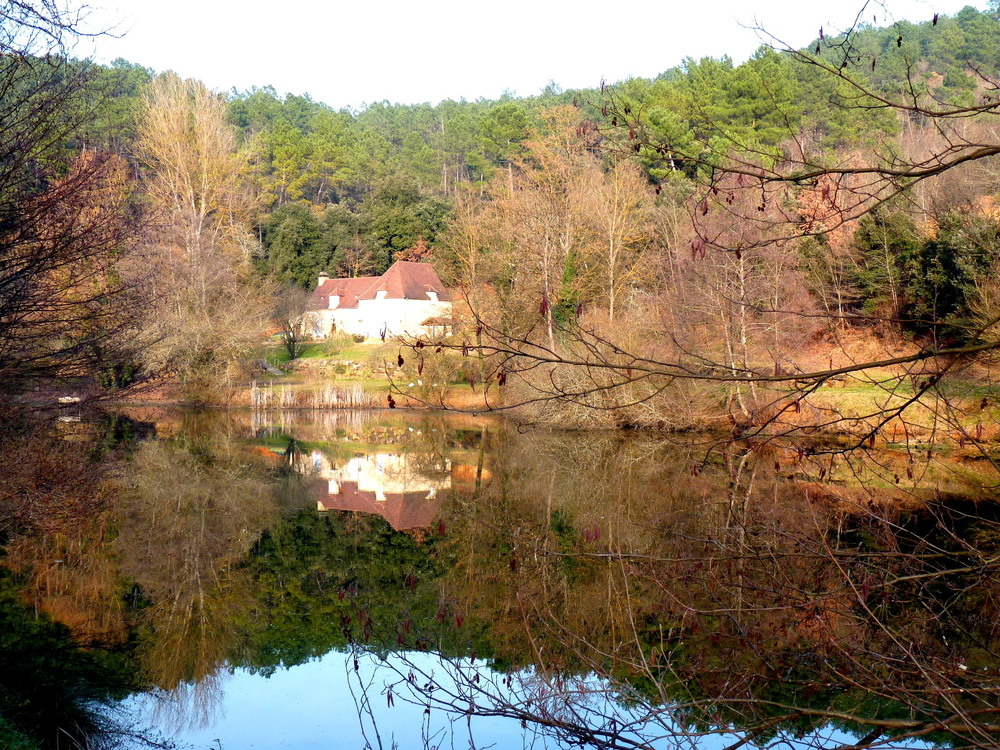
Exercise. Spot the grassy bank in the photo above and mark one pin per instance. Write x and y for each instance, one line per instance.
(366, 374)
(885, 407)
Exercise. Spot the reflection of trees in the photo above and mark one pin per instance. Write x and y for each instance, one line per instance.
(54, 509)
(323, 582)
(73, 579)
(622, 588)
(192, 512)
(50, 688)
(723, 600)
(58, 678)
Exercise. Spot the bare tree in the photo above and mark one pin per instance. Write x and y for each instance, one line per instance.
(196, 177)
(290, 307)
(621, 206)
(622, 600)
(63, 227)
(736, 320)
(210, 312)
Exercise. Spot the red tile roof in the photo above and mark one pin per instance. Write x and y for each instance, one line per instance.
(407, 280)
(349, 291)
(403, 510)
(403, 280)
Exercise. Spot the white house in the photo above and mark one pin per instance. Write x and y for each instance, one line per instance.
(409, 298)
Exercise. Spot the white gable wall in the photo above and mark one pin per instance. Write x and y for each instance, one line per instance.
(319, 323)
(395, 316)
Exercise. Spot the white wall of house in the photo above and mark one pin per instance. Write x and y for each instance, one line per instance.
(319, 323)
(396, 316)
(388, 473)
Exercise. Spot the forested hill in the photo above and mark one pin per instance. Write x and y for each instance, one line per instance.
(349, 192)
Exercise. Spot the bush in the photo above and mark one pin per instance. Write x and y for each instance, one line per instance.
(336, 344)
(12, 739)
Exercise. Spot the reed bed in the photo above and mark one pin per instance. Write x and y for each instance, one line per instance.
(326, 423)
(270, 397)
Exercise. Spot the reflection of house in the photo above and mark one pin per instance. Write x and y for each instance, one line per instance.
(409, 298)
(384, 484)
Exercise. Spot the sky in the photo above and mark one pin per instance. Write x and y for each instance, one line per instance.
(347, 54)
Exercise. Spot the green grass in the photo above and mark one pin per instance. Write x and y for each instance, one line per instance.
(315, 351)
(858, 397)
(369, 350)
(371, 385)
(277, 354)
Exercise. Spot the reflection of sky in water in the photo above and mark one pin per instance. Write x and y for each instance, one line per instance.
(315, 705)
(326, 704)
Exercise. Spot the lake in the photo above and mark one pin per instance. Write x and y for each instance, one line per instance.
(399, 579)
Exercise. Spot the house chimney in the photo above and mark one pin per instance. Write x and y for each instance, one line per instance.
(323, 276)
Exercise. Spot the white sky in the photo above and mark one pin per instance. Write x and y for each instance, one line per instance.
(353, 52)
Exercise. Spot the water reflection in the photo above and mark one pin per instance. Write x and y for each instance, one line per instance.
(611, 590)
(386, 484)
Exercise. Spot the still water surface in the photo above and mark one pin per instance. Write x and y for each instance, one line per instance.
(411, 580)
